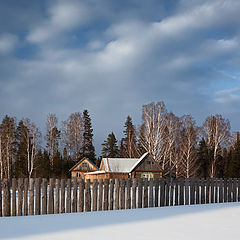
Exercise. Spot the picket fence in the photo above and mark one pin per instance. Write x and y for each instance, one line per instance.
(22, 197)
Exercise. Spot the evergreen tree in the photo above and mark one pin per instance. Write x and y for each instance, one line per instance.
(128, 145)
(203, 159)
(110, 148)
(88, 149)
(44, 169)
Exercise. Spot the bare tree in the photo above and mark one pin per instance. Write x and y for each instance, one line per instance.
(216, 132)
(188, 153)
(52, 136)
(152, 130)
(72, 134)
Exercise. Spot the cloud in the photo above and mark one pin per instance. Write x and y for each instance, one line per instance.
(227, 96)
(7, 42)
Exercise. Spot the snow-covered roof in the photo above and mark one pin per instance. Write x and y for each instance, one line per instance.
(122, 165)
(95, 172)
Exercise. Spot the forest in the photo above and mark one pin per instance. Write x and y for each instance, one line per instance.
(177, 144)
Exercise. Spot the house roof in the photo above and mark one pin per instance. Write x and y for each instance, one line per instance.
(81, 161)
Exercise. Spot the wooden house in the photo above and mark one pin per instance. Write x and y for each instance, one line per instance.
(123, 168)
(81, 167)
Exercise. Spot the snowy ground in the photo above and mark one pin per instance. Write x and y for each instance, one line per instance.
(210, 221)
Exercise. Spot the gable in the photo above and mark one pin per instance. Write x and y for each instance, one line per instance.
(148, 164)
(84, 165)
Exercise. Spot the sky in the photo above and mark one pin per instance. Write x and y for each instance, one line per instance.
(111, 57)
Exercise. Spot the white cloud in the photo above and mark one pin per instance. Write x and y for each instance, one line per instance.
(7, 42)
(227, 96)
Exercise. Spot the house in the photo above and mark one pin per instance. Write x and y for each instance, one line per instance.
(81, 167)
(123, 168)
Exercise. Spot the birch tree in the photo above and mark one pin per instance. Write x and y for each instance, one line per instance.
(216, 131)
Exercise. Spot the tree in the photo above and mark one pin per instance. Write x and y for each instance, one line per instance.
(88, 149)
(72, 135)
(128, 147)
(203, 159)
(52, 137)
(216, 131)
(110, 148)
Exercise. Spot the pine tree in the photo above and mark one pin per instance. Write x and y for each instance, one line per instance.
(203, 159)
(88, 149)
(128, 145)
(110, 148)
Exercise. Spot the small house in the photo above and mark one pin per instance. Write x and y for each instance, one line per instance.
(82, 167)
(123, 168)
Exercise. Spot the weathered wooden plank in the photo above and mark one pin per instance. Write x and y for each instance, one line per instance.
(87, 196)
(128, 195)
(220, 190)
(225, 190)
(140, 190)
(187, 191)
(94, 194)
(176, 191)
(162, 192)
(74, 196)
(68, 200)
(134, 191)
(111, 192)
(51, 197)
(100, 195)
(234, 190)
(208, 191)
(167, 188)
(212, 190)
(6, 198)
(171, 186)
(238, 189)
(216, 190)
(62, 195)
(44, 195)
(1, 210)
(25, 196)
(31, 196)
(116, 195)
(145, 193)
(151, 192)
(14, 199)
(38, 196)
(156, 192)
(106, 194)
(181, 197)
(122, 193)
(81, 186)
(230, 190)
(56, 197)
(192, 191)
(197, 191)
(203, 188)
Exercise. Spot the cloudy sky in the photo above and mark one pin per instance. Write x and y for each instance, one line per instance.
(111, 57)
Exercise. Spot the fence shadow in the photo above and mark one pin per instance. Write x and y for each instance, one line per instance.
(17, 227)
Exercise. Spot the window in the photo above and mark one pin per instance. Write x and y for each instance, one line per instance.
(148, 162)
(84, 166)
(78, 174)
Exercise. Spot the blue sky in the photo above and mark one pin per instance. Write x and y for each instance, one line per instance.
(111, 57)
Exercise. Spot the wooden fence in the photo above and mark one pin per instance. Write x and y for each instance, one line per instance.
(21, 197)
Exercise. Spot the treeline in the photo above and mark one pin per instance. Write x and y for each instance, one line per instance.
(177, 144)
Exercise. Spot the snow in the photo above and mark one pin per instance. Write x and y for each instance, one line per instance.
(210, 221)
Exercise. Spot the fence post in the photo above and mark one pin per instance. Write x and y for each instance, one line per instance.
(74, 196)
(197, 191)
(134, 190)
(44, 196)
(151, 193)
(238, 188)
(140, 185)
(116, 195)
(31, 196)
(81, 185)
(167, 188)
(225, 193)
(51, 197)
(100, 195)
(181, 198)
(234, 190)
(1, 210)
(25, 196)
(207, 190)
(38, 196)
(128, 198)
(63, 185)
(176, 191)
(20, 197)
(171, 186)
(220, 190)
(203, 200)
(87, 196)
(212, 190)
(216, 190)
(192, 191)
(68, 201)
(94, 194)
(106, 191)
(187, 191)
(6, 198)
(122, 194)
(14, 206)
(230, 190)
(145, 193)
(111, 194)
(56, 198)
